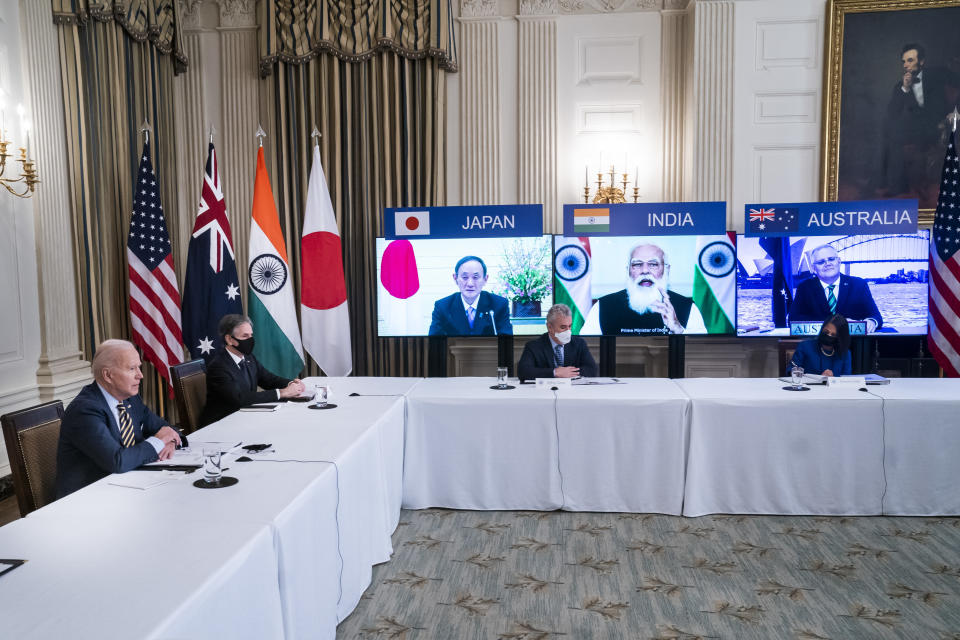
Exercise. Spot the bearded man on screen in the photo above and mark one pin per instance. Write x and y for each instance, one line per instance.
(646, 305)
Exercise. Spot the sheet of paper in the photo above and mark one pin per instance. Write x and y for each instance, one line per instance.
(144, 481)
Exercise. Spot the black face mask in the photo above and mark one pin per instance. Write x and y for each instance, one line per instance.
(244, 346)
(828, 340)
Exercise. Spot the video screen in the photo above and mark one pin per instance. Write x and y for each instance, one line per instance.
(647, 285)
(464, 286)
(790, 285)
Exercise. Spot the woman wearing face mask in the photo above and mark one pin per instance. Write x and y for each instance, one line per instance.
(557, 353)
(829, 353)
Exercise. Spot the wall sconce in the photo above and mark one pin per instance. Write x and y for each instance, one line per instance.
(28, 179)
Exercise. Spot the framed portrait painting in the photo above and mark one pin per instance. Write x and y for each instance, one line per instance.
(892, 83)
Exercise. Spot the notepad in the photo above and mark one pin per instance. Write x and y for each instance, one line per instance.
(143, 481)
(260, 407)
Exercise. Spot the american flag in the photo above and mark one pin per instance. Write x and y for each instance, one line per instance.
(943, 333)
(154, 297)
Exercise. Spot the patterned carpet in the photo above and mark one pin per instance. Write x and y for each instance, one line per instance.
(511, 575)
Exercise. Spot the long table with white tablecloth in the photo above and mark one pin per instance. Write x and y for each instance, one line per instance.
(285, 553)
(288, 551)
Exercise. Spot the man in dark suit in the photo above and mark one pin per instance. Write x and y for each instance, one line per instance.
(107, 428)
(234, 373)
(472, 312)
(557, 353)
(830, 292)
(919, 107)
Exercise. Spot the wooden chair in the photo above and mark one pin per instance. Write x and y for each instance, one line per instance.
(189, 392)
(785, 349)
(31, 436)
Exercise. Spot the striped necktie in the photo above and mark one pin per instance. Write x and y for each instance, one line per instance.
(831, 299)
(558, 355)
(470, 315)
(126, 426)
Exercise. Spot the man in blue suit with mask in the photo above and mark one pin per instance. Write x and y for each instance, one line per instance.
(557, 353)
(107, 428)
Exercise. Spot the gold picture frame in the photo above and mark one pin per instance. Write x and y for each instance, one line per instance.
(860, 156)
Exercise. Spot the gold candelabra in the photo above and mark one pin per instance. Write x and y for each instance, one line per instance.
(610, 193)
(28, 172)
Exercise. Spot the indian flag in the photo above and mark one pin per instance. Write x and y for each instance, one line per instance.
(572, 278)
(715, 282)
(591, 220)
(271, 305)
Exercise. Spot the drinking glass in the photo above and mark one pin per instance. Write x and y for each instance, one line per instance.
(502, 377)
(211, 464)
(796, 375)
(322, 393)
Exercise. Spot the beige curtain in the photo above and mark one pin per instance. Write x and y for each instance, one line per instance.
(382, 120)
(117, 62)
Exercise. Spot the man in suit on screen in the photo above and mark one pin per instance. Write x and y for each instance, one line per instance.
(234, 373)
(557, 353)
(830, 292)
(472, 311)
(107, 428)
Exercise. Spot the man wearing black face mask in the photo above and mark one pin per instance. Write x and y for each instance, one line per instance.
(233, 374)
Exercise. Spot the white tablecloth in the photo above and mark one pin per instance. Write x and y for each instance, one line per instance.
(611, 447)
(755, 448)
(923, 446)
(122, 576)
(331, 487)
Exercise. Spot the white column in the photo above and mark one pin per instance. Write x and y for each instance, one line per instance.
(672, 47)
(479, 103)
(62, 369)
(239, 113)
(709, 142)
(538, 109)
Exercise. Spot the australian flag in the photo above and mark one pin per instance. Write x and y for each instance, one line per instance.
(212, 289)
(764, 220)
(781, 298)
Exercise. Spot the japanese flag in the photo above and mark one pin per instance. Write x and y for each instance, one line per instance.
(412, 223)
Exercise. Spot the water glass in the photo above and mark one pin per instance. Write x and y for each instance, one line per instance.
(796, 375)
(322, 392)
(501, 377)
(211, 464)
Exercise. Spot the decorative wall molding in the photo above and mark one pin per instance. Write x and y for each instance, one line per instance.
(479, 113)
(238, 13)
(711, 102)
(189, 13)
(581, 7)
(781, 172)
(61, 367)
(539, 7)
(538, 115)
(604, 118)
(672, 83)
(787, 43)
(609, 60)
(785, 107)
(479, 8)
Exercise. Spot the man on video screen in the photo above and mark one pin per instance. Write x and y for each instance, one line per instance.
(472, 311)
(646, 305)
(830, 292)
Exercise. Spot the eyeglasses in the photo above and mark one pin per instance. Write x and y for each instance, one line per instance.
(653, 265)
(824, 261)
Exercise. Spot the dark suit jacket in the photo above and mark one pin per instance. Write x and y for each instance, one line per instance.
(537, 358)
(90, 447)
(229, 387)
(449, 318)
(854, 301)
